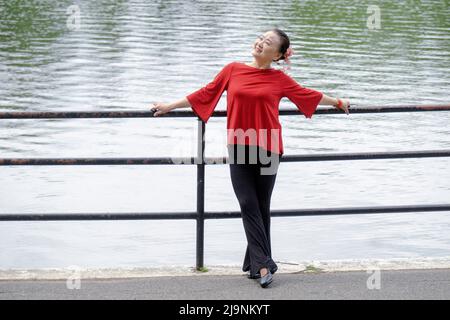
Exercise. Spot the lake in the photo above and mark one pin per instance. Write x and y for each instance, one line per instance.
(124, 55)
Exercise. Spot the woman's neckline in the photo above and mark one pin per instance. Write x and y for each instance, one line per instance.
(270, 69)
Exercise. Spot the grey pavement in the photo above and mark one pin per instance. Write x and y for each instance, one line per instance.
(394, 284)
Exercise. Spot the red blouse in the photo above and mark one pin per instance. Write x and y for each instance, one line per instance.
(253, 97)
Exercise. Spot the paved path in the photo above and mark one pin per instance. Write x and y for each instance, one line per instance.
(398, 284)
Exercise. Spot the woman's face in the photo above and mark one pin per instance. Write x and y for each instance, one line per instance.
(266, 46)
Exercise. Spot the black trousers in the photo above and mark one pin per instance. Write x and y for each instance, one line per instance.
(253, 188)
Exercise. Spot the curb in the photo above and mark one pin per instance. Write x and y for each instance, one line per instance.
(304, 267)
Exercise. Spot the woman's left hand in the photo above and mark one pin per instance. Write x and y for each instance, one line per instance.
(345, 105)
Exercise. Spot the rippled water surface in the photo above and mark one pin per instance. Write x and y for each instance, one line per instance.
(127, 54)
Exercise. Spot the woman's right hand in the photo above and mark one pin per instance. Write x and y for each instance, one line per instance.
(160, 108)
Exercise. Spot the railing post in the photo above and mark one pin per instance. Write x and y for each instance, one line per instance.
(200, 193)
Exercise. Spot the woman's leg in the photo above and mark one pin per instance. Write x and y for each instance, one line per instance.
(243, 151)
(265, 185)
(244, 184)
(264, 188)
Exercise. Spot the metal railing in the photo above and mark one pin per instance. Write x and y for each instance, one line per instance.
(200, 160)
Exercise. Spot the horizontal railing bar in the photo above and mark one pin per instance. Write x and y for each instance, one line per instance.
(97, 216)
(90, 114)
(95, 161)
(367, 155)
(221, 160)
(336, 211)
(219, 215)
(218, 113)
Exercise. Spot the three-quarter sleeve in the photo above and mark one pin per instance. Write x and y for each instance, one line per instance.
(305, 99)
(205, 99)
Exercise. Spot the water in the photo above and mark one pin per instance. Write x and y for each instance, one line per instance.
(128, 54)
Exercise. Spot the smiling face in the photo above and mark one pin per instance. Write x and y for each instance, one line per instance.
(266, 47)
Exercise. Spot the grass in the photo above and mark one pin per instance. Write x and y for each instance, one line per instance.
(312, 269)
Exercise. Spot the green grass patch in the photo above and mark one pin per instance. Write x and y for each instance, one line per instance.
(312, 269)
(202, 269)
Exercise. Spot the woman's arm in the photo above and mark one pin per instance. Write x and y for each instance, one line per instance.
(326, 100)
(342, 104)
(183, 103)
(307, 99)
(160, 108)
(202, 101)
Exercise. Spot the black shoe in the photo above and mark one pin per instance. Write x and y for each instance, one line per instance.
(274, 270)
(254, 276)
(258, 275)
(266, 280)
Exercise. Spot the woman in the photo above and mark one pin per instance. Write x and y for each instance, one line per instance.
(254, 134)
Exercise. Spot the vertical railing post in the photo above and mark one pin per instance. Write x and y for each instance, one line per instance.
(200, 194)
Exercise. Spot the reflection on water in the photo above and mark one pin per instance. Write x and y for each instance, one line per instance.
(126, 55)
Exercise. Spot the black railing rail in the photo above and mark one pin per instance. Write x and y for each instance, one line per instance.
(218, 113)
(200, 160)
(220, 160)
(219, 214)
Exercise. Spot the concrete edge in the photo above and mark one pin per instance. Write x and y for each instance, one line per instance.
(76, 272)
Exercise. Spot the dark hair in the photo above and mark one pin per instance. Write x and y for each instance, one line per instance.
(285, 42)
